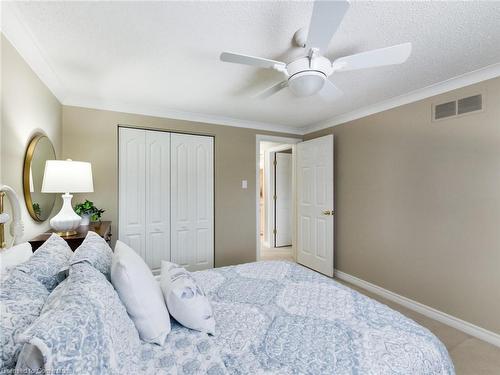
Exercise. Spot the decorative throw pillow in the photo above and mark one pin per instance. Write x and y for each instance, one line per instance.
(140, 293)
(185, 300)
(83, 329)
(48, 261)
(21, 300)
(95, 251)
(13, 256)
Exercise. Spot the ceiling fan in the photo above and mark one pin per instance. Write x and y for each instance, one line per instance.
(309, 74)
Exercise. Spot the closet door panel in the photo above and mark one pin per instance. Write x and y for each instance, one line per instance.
(132, 189)
(180, 202)
(181, 245)
(203, 252)
(181, 181)
(157, 198)
(192, 201)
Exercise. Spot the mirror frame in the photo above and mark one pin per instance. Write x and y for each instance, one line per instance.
(26, 173)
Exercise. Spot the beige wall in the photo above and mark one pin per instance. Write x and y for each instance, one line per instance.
(27, 107)
(91, 135)
(418, 204)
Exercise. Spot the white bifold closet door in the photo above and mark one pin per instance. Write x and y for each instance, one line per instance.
(192, 210)
(144, 193)
(132, 189)
(157, 198)
(166, 197)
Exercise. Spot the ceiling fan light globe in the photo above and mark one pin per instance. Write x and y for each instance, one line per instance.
(306, 83)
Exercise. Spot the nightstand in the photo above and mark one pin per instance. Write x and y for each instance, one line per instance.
(103, 229)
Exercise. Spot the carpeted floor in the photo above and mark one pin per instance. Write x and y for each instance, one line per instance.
(470, 356)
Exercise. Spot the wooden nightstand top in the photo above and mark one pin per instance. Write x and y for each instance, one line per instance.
(103, 229)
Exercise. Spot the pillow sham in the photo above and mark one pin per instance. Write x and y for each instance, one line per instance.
(185, 300)
(13, 256)
(48, 262)
(21, 300)
(140, 293)
(95, 251)
(83, 329)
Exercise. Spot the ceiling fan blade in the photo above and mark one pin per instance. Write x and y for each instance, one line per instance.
(272, 90)
(330, 92)
(378, 57)
(260, 62)
(325, 20)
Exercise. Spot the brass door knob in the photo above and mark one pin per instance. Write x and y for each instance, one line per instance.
(327, 212)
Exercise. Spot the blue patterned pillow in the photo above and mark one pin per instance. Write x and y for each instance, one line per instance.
(21, 300)
(95, 251)
(48, 261)
(84, 328)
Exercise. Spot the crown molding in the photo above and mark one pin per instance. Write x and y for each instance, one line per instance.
(467, 79)
(23, 40)
(182, 115)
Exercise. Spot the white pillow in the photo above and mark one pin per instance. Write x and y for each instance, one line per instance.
(185, 300)
(18, 254)
(140, 293)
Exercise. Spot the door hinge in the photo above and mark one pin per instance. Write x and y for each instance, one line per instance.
(274, 231)
(275, 197)
(275, 162)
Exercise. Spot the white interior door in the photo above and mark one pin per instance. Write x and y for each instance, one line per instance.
(132, 189)
(192, 210)
(283, 201)
(315, 204)
(157, 198)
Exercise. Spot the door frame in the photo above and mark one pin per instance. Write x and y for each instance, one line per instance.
(292, 197)
(270, 138)
(271, 184)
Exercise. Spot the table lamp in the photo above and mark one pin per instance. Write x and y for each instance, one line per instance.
(67, 176)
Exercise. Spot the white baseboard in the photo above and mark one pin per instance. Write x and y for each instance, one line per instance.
(462, 325)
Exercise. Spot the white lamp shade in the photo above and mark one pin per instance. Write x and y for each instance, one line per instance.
(67, 176)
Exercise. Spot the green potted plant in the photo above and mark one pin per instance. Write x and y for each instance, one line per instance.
(37, 209)
(88, 212)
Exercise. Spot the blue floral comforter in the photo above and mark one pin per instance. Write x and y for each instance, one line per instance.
(271, 318)
(281, 318)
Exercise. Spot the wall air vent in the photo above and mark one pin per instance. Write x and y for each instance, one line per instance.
(445, 110)
(457, 107)
(470, 104)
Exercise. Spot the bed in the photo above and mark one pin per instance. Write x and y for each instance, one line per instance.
(279, 317)
(272, 317)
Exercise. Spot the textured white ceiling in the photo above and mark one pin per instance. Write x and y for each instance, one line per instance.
(154, 56)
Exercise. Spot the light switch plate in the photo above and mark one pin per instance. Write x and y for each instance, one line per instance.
(244, 184)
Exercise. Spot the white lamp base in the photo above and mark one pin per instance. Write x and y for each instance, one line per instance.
(67, 220)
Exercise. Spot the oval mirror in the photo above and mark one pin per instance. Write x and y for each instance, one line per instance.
(39, 205)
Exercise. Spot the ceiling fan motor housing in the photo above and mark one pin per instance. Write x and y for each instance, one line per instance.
(307, 75)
